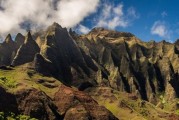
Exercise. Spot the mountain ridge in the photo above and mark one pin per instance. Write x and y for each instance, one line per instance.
(100, 59)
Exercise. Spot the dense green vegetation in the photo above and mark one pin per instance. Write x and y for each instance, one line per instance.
(12, 116)
(7, 82)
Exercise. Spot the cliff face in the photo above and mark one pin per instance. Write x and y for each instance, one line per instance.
(62, 51)
(26, 52)
(25, 92)
(125, 63)
(101, 58)
(7, 51)
(9, 48)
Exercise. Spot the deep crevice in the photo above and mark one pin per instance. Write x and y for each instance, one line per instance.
(160, 80)
(125, 82)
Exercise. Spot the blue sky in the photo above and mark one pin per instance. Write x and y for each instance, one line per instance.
(147, 19)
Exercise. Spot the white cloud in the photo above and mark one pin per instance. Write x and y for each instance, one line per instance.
(41, 13)
(118, 10)
(160, 28)
(83, 29)
(71, 12)
(114, 16)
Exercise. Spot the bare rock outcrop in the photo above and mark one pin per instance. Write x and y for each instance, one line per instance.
(26, 52)
(7, 51)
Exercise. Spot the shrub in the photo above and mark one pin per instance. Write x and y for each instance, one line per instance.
(12, 116)
(1, 116)
(8, 83)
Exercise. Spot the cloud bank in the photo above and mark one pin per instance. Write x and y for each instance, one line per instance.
(83, 29)
(111, 16)
(160, 28)
(17, 15)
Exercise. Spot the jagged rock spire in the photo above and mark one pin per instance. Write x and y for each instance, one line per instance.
(56, 25)
(26, 52)
(8, 39)
(19, 39)
(19, 35)
(61, 49)
(70, 31)
(28, 37)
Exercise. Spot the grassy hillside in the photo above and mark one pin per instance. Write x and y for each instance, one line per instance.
(128, 106)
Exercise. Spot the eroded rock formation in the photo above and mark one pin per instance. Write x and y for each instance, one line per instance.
(119, 60)
(26, 51)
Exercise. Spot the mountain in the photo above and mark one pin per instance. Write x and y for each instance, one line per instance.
(26, 51)
(104, 75)
(19, 39)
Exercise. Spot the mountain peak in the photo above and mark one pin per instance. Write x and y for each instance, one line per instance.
(55, 26)
(8, 39)
(28, 37)
(19, 34)
(104, 63)
(26, 52)
(18, 37)
(100, 31)
(29, 34)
